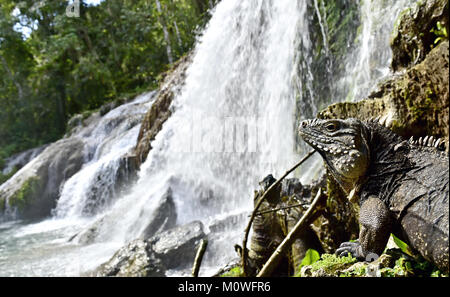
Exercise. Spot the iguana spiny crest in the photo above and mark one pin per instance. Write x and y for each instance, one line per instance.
(347, 146)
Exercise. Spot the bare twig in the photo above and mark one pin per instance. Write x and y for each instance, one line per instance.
(277, 209)
(199, 257)
(284, 245)
(258, 204)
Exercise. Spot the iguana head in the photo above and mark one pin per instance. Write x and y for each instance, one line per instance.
(343, 145)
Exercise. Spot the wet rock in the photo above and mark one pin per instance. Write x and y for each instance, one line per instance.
(127, 171)
(160, 112)
(173, 248)
(32, 192)
(17, 161)
(414, 34)
(134, 260)
(176, 247)
(90, 234)
(110, 183)
(414, 103)
(163, 218)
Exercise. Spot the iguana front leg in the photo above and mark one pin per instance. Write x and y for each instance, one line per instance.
(375, 227)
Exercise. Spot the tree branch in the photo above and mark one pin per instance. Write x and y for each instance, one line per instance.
(284, 245)
(258, 204)
(199, 257)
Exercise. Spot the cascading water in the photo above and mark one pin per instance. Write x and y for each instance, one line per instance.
(232, 124)
(91, 189)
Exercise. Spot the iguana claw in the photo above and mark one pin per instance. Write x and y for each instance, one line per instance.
(352, 248)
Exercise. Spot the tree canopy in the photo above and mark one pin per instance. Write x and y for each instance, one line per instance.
(53, 66)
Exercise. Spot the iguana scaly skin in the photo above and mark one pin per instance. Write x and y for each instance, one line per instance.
(402, 186)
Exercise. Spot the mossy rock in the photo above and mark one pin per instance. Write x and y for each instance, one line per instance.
(414, 33)
(2, 205)
(23, 197)
(392, 263)
(415, 103)
(328, 265)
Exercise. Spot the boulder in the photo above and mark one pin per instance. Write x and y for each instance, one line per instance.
(32, 192)
(135, 259)
(173, 248)
(163, 218)
(17, 161)
(176, 247)
(90, 234)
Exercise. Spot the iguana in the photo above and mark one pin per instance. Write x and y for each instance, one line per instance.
(402, 186)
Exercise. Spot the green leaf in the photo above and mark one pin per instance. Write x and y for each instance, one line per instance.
(311, 256)
(402, 245)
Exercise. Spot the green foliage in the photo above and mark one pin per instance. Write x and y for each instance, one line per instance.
(311, 256)
(402, 245)
(233, 272)
(440, 31)
(21, 198)
(355, 271)
(330, 263)
(68, 65)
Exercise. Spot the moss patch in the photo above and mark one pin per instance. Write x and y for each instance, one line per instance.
(330, 263)
(21, 199)
(2, 205)
(233, 272)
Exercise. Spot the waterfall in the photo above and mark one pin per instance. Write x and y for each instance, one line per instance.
(92, 188)
(370, 61)
(250, 81)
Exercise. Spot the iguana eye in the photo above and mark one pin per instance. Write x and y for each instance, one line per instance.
(331, 127)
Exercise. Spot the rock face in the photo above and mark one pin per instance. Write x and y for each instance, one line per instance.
(160, 110)
(415, 32)
(413, 103)
(173, 248)
(32, 192)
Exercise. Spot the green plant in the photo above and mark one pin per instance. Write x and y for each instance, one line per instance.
(233, 272)
(330, 263)
(311, 256)
(440, 31)
(402, 245)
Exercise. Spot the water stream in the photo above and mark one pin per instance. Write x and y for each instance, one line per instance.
(232, 124)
